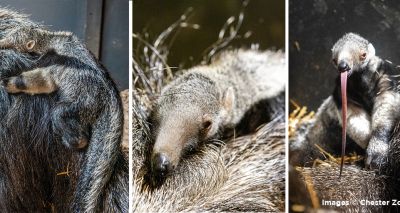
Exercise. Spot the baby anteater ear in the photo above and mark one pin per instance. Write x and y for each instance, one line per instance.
(30, 44)
(371, 50)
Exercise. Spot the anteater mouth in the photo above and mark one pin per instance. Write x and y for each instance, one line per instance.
(347, 69)
(343, 90)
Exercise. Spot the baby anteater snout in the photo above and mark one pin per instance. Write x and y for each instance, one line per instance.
(343, 66)
(161, 165)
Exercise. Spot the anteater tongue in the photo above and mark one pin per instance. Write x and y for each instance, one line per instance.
(343, 89)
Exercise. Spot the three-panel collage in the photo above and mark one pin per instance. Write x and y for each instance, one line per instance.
(139, 106)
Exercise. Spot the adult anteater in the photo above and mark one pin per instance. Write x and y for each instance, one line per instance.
(37, 173)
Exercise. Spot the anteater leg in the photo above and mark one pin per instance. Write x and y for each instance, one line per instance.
(37, 81)
(384, 117)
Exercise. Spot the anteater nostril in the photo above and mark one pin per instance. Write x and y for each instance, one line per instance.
(343, 66)
(161, 164)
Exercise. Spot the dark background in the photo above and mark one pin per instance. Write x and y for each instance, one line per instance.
(102, 24)
(264, 18)
(317, 24)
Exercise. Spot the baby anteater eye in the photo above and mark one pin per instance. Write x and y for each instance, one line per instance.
(207, 125)
(363, 56)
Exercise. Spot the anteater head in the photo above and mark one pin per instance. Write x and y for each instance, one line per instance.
(184, 121)
(27, 39)
(351, 53)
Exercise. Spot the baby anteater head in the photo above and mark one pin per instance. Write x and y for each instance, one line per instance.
(28, 39)
(351, 53)
(189, 112)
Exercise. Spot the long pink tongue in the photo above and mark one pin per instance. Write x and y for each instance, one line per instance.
(343, 84)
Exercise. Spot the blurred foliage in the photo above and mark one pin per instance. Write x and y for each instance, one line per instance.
(264, 24)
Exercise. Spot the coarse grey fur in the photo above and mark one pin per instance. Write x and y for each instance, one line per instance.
(98, 173)
(206, 99)
(355, 186)
(373, 101)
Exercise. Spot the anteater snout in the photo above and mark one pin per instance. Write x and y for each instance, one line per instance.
(161, 165)
(343, 66)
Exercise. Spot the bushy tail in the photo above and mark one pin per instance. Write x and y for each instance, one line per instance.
(101, 157)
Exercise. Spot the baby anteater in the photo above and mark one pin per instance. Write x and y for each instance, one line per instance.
(193, 108)
(88, 106)
(372, 105)
(46, 80)
(31, 39)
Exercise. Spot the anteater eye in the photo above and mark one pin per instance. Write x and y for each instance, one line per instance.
(363, 56)
(334, 61)
(207, 125)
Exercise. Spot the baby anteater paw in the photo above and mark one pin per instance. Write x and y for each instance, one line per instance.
(71, 132)
(13, 84)
(79, 140)
(377, 155)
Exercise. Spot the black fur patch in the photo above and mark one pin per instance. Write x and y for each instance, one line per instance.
(20, 83)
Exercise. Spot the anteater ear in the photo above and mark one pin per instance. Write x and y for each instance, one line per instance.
(30, 45)
(228, 100)
(371, 50)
